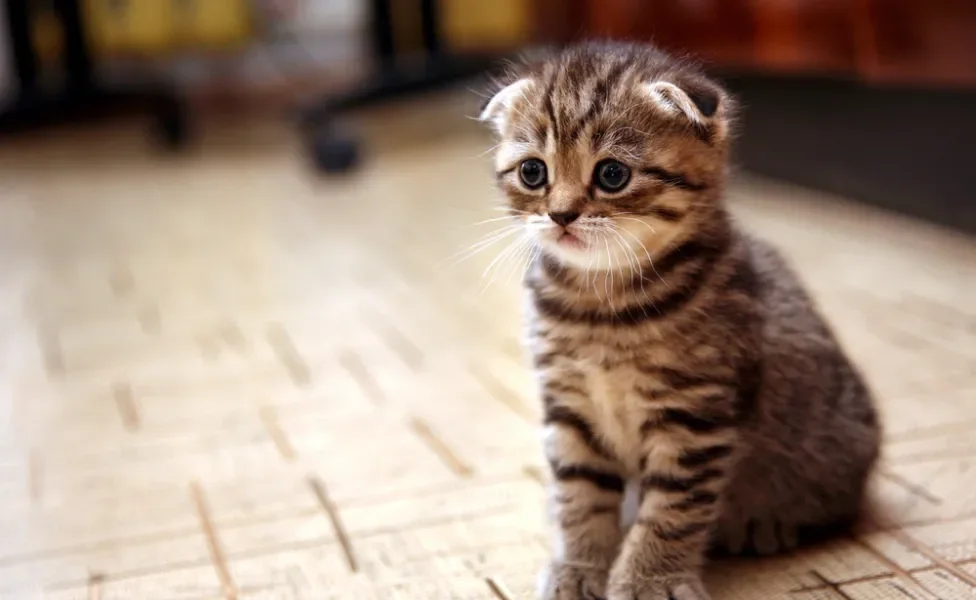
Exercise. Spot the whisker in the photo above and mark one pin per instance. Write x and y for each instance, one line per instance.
(647, 252)
(529, 257)
(478, 93)
(637, 270)
(492, 220)
(512, 245)
(628, 252)
(644, 223)
(488, 151)
(493, 266)
(490, 238)
(586, 280)
(536, 252)
(516, 259)
(608, 277)
(524, 257)
(613, 268)
(480, 246)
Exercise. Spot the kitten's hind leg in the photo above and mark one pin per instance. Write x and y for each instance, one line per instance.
(753, 537)
(767, 536)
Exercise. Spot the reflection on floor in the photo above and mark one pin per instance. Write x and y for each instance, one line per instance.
(223, 378)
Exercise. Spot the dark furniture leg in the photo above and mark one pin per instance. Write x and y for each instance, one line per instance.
(83, 97)
(333, 149)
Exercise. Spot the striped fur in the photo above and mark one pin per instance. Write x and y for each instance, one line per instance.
(675, 353)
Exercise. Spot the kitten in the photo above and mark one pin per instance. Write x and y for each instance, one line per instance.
(673, 349)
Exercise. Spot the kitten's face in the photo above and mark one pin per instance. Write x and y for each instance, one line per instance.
(606, 154)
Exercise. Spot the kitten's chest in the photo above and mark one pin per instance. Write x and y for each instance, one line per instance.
(615, 409)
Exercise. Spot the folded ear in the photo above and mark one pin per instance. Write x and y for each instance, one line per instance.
(699, 103)
(498, 109)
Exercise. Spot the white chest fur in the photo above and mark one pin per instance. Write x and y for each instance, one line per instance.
(615, 410)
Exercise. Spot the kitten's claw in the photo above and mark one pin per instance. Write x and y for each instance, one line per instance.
(678, 588)
(693, 590)
(567, 582)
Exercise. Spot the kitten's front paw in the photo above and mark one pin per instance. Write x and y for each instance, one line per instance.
(571, 582)
(633, 586)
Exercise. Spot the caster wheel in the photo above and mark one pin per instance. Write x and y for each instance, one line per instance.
(334, 151)
(172, 127)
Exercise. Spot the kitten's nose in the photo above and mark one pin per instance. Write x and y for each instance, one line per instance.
(564, 218)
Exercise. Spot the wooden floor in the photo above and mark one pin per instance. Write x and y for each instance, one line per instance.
(224, 378)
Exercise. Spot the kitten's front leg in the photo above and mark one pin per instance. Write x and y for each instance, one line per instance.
(586, 496)
(689, 448)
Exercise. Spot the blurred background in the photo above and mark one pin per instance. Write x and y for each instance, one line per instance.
(260, 321)
(871, 98)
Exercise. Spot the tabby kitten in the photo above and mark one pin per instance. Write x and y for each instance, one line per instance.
(674, 351)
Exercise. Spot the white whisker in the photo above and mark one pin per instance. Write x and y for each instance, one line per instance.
(492, 220)
(644, 223)
(533, 255)
(512, 247)
(502, 256)
(636, 267)
(628, 252)
(480, 246)
(647, 252)
(608, 277)
(517, 259)
(491, 238)
(488, 151)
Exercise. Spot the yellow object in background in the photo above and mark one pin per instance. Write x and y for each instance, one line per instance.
(211, 23)
(140, 27)
(477, 25)
(156, 27)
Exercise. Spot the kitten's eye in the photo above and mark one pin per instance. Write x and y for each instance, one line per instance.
(533, 174)
(612, 176)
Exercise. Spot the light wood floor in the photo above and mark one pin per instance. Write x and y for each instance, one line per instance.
(224, 378)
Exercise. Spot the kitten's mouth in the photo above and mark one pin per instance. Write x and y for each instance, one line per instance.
(569, 240)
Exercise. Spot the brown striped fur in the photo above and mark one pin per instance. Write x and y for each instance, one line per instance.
(675, 353)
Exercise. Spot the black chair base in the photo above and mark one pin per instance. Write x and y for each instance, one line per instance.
(33, 111)
(334, 149)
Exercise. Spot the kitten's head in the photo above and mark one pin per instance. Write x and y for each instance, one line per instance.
(607, 151)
